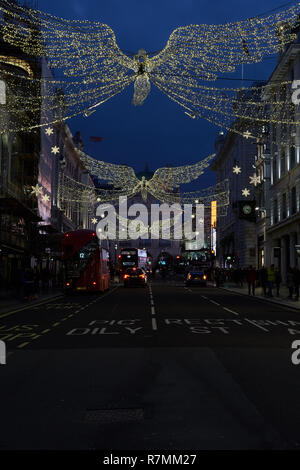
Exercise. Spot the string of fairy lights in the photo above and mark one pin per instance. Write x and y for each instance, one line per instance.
(120, 180)
(94, 69)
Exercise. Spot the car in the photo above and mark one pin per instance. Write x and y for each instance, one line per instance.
(135, 277)
(196, 278)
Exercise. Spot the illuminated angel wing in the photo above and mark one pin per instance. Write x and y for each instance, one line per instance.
(120, 176)
(172, 177)
(202, 51)
(90, 65)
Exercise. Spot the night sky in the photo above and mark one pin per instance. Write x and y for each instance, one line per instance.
(158, 132)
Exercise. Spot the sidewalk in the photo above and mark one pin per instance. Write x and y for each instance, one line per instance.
(283, 299)
(8, 302)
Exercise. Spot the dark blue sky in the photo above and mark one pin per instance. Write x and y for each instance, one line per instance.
(158, 132)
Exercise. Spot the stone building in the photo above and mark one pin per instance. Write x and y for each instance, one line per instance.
(236, 236)
(281, 162)
(19, 161)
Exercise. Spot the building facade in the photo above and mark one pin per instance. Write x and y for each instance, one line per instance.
(236, 234)
(281, 164)
(19, 162)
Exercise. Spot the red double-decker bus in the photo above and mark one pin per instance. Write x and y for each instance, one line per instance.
(85, 262)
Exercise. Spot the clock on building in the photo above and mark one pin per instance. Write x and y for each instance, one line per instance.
(247, 210)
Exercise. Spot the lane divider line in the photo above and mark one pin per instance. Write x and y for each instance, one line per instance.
(153, 313)
(214, 302)
(231, 311)
(255, 324)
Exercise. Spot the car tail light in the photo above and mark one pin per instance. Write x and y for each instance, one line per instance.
(142, 275)
(67, 284)
(189, 276)
(126, 276)
(94, 283)
(204, 277)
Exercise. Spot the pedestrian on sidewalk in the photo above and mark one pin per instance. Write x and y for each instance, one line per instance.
(263, 279)
(278, 280)
(290, 282)
(296, 277)
(251, 278)
(239, 277)
(271, 279)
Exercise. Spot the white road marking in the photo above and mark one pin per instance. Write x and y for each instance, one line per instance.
(231, 311)
(255, 324)
(154, 322)
(213, 302)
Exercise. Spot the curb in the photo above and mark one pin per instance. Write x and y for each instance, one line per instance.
(262, 299)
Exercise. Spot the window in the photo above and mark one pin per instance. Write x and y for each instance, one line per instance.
(283, 209)
(275, 211)
(292, 73)
(252, 252)
(293, 201)
(292, 157)
(274, 169)
(282, 163)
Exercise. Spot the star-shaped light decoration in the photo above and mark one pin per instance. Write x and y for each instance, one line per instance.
(45, 198)
(94, 220)
(55, 150)
(247, 135)
(254, 179)
(36, 190)
(49, 131)
(246, 192)
(237, 170)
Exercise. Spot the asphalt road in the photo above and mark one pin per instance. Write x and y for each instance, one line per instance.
(163, 367)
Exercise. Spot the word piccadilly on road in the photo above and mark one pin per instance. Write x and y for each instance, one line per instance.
(101, 327)
(2, 353)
